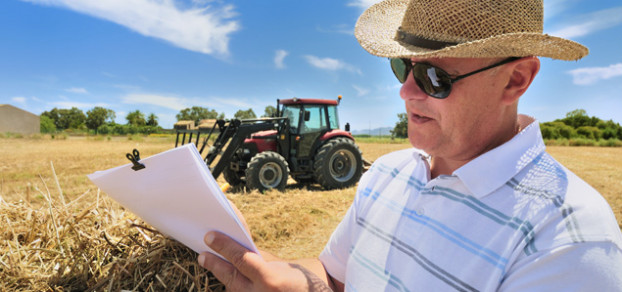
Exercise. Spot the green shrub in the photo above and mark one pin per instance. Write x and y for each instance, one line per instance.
(549, 132)
(582, 142)
(16, 135)
(557, 142)
(98, 138)
(46, 124)
(556, 130)
(60, 136)
(589, 132)
(105, 129)
(610, 143)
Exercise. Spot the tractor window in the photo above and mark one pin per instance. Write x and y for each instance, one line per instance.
(293, 113)
(317, 119)
(332, 117)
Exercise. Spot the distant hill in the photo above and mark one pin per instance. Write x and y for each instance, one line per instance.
(384, 131)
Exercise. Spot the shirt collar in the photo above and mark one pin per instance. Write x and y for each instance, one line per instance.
(493, 169)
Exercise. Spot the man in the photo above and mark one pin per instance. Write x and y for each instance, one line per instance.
(477, 205)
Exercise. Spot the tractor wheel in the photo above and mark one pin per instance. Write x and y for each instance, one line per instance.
(338, 164)
(267, 170)
(232, 177)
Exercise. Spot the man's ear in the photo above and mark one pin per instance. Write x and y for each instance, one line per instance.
(522, 73)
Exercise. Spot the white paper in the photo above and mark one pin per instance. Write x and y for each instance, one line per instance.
(177, 194)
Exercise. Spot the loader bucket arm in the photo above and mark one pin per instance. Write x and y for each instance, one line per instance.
(234, 132)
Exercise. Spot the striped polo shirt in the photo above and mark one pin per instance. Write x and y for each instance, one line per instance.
(513, 219)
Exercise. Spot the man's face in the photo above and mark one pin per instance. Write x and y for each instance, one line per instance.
(466, 123)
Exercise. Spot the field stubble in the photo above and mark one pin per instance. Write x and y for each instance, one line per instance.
(292, 224)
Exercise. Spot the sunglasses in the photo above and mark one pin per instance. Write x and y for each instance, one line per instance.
(434, 81)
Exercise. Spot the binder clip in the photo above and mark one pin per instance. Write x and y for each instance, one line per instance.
(134, 157)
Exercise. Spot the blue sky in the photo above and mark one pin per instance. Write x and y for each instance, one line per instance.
(160, 56)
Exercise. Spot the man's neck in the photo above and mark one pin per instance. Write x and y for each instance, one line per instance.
(446, 166)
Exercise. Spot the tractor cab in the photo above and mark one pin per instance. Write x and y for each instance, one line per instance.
(310, 115)
(311, 121)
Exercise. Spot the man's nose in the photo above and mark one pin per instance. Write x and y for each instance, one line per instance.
(410, 90)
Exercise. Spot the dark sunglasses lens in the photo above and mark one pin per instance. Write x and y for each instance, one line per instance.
(400, 69)
(432, 80)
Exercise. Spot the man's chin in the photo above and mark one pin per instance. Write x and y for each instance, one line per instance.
(418, 142)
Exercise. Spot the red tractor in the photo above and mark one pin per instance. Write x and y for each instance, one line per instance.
(303, 140)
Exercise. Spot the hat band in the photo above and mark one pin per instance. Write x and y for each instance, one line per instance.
(418, 41)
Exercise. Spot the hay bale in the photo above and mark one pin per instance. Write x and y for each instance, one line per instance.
(95, 248)
(184, 125)
(207, 124)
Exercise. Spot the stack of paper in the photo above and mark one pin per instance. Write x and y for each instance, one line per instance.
(177, 194)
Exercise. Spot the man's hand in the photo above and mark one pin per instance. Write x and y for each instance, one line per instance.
(248, 271)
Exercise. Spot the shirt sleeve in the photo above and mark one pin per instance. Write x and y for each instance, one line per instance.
(590, 266)
(335, 255)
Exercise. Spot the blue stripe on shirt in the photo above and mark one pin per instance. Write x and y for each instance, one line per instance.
(495, 215)
(441, 229)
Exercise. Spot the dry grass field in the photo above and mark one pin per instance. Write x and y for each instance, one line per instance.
(58, 233)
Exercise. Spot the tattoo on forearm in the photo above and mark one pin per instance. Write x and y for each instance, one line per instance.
(313, 281)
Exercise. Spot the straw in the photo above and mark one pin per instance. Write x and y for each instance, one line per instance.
(91, 246)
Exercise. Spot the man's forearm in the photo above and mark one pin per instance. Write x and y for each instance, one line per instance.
(310, 265)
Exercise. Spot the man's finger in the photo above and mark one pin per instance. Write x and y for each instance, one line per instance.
(225, 272)
(246, 261)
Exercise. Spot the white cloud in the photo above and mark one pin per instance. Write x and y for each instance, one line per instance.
(171, 102)
(77, 90)
(19, 99)
(108, 74)
(364, 4)
(553, 8)
(279, 57)
(591, 23)
(126, 87)
(590, 75)
(339, 28)
(360, 91)
(330, 64)
(238, 103)
(179, 103)
(203, 29)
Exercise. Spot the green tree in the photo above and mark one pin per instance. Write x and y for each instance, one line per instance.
(136, 118)
(270, 111)
(53, 115)
(401, 127)
(72, 118)
(247, 114)
(99, 116)
(47, 124)
(588, 132)
(76, 118)
(106, 129)
(549, 132)
(152, 120)
(609, 129)
(577, 118)
(197, 113)
(564, 130)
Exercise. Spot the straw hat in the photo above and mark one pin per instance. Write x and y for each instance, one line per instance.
(461, 29)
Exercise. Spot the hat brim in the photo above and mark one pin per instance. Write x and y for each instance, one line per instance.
(376, 30)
